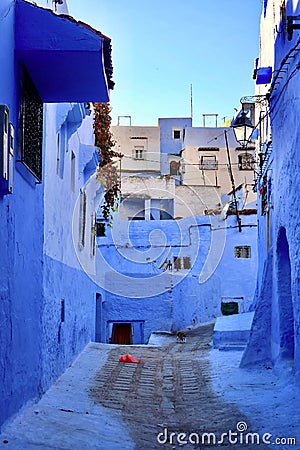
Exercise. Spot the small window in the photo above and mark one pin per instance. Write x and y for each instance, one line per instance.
(229, 308)
(138, 152)
(176, 134)
(245, 161)
(100, 229)
(182, 263)
(31, 126)
(242, 251)
(174, 168)
(208, 163)
(62, 311)
(186, 262)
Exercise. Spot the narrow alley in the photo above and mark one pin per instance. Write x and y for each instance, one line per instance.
(170, 389)
(101, 403)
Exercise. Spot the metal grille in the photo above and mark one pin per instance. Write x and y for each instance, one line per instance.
(208, 163)
(245, 161)
(242, 251)
(32, 126)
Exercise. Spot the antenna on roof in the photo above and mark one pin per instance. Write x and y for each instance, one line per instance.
(191, 101)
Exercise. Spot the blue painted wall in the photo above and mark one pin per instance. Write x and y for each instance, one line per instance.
(63, 278)
(21, 240)
(169, 145)
(136, 284)
(47, 302)
(278, 299)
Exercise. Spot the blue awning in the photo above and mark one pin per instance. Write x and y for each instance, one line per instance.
(67, 60)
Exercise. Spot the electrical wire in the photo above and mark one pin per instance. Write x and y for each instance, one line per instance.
(8, 11)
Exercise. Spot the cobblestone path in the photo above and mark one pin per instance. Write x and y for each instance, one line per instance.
(170, 389)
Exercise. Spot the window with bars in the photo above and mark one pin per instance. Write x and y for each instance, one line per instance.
(31, 126)
(138, 152)
(242, 251)
(245, 161)
(208, 162)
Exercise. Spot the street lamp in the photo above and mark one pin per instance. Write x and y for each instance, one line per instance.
(243, 129)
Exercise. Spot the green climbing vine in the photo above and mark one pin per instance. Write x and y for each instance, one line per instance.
(107, 171)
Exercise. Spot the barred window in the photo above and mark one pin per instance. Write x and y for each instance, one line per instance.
(138, 152)
(245, 161)
(31, 126)
(242, 251)
(208, 163)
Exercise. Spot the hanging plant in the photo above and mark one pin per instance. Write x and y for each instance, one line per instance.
(107, 171)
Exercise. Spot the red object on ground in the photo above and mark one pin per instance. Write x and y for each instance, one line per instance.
(129, 359)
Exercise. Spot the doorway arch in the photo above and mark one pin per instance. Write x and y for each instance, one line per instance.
(285, 302)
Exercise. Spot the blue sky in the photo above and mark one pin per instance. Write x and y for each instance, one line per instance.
(161, 47)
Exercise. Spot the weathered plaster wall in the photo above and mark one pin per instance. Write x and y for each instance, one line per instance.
(38, 262)
(210, 142)
(127, 139)
(194, 200)
(63, 338)
(278, 310)
(21, 240)
(139, 286)
(163, 187)
(286, 198)
(64, 281)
